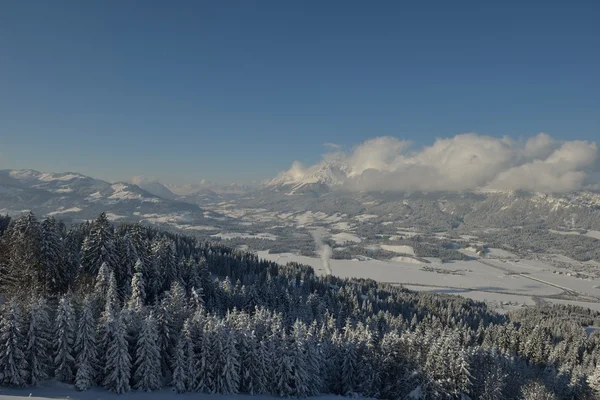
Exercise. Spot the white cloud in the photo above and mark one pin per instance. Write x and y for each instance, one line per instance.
(332, 146)
(463, 162)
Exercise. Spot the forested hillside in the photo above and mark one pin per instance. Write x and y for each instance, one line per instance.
(130, 307)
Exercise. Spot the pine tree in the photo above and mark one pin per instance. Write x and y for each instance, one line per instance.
(13, 365)
(106, 324)
(85, 346)
(24, 267)
(179, 366)
(39, 336)
(117, 370)
(99, 246)
(204, 366)
(101, 285)
(298, 354)
(229, 380)
(64, 361)
(52, 253)
(284, 369)
(537, 391)
(594, 380)
(138, 288)
(147, 364)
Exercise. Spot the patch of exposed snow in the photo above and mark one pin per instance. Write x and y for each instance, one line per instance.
(198, 227)
(401, 249)
(65, 211)
(365, 217)
(114, 217)
(63, 190)
(343, 237)
(407, 260)
(233, 235)
(49, 177)
(593, 234)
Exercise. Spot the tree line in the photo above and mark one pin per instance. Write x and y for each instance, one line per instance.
(130, 307)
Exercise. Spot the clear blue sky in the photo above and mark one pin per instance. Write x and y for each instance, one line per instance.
(236, 90)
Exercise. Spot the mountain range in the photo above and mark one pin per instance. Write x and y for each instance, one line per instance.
(74, 196)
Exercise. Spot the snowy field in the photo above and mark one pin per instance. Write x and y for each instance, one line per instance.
(61, 391)
(233, 235)
(499, 282)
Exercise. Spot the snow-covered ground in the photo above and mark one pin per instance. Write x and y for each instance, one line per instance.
(62, 391)
(522, 282)
(343, 237)
(403, 249)
(233, 235)
(65, 211)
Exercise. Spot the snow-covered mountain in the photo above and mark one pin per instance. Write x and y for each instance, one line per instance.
(318, 179)
(153, 187)
(77, 197)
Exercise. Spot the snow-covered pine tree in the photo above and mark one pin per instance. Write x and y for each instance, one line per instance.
(24, 267)
(138, 288)
(348, 368)
(101, 285)
(147, 376)
(298, 353)
(179, 366)
(13, 365)
(117, 370)
(52, 254)
(594, 380)
(64, 333)
(86, 349)
(125, 261)
(197, 300)
(107, 321)
(229, 380)
(39, 336)
(164, 254)
(99, 246)
(205, 366)
(536, 390)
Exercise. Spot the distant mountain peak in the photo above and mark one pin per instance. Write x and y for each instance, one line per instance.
(327, 174)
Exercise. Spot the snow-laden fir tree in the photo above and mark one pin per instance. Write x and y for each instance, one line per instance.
(594, 380)
(298, 354)
(205, 368)
(228, 378)
(86, 349)
(138, 288)
(107, 321)
(536, 390)
(179, 366)
(190, 339)
(52, 253)
(99, 246)
(23, 263)
(13, 365)
(117, 369)
(64, 333)
(101, 285)
(282, 366)
(147, 376)
(39, 341)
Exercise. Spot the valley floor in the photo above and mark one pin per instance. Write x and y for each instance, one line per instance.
(504, 283)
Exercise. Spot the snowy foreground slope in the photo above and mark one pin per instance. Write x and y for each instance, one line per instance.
(62, 391)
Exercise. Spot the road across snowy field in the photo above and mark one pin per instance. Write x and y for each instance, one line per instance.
(62, 391)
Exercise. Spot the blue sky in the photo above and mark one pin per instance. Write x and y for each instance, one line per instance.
(236, 90)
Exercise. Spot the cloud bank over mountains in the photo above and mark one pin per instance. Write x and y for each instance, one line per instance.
(463, 162)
